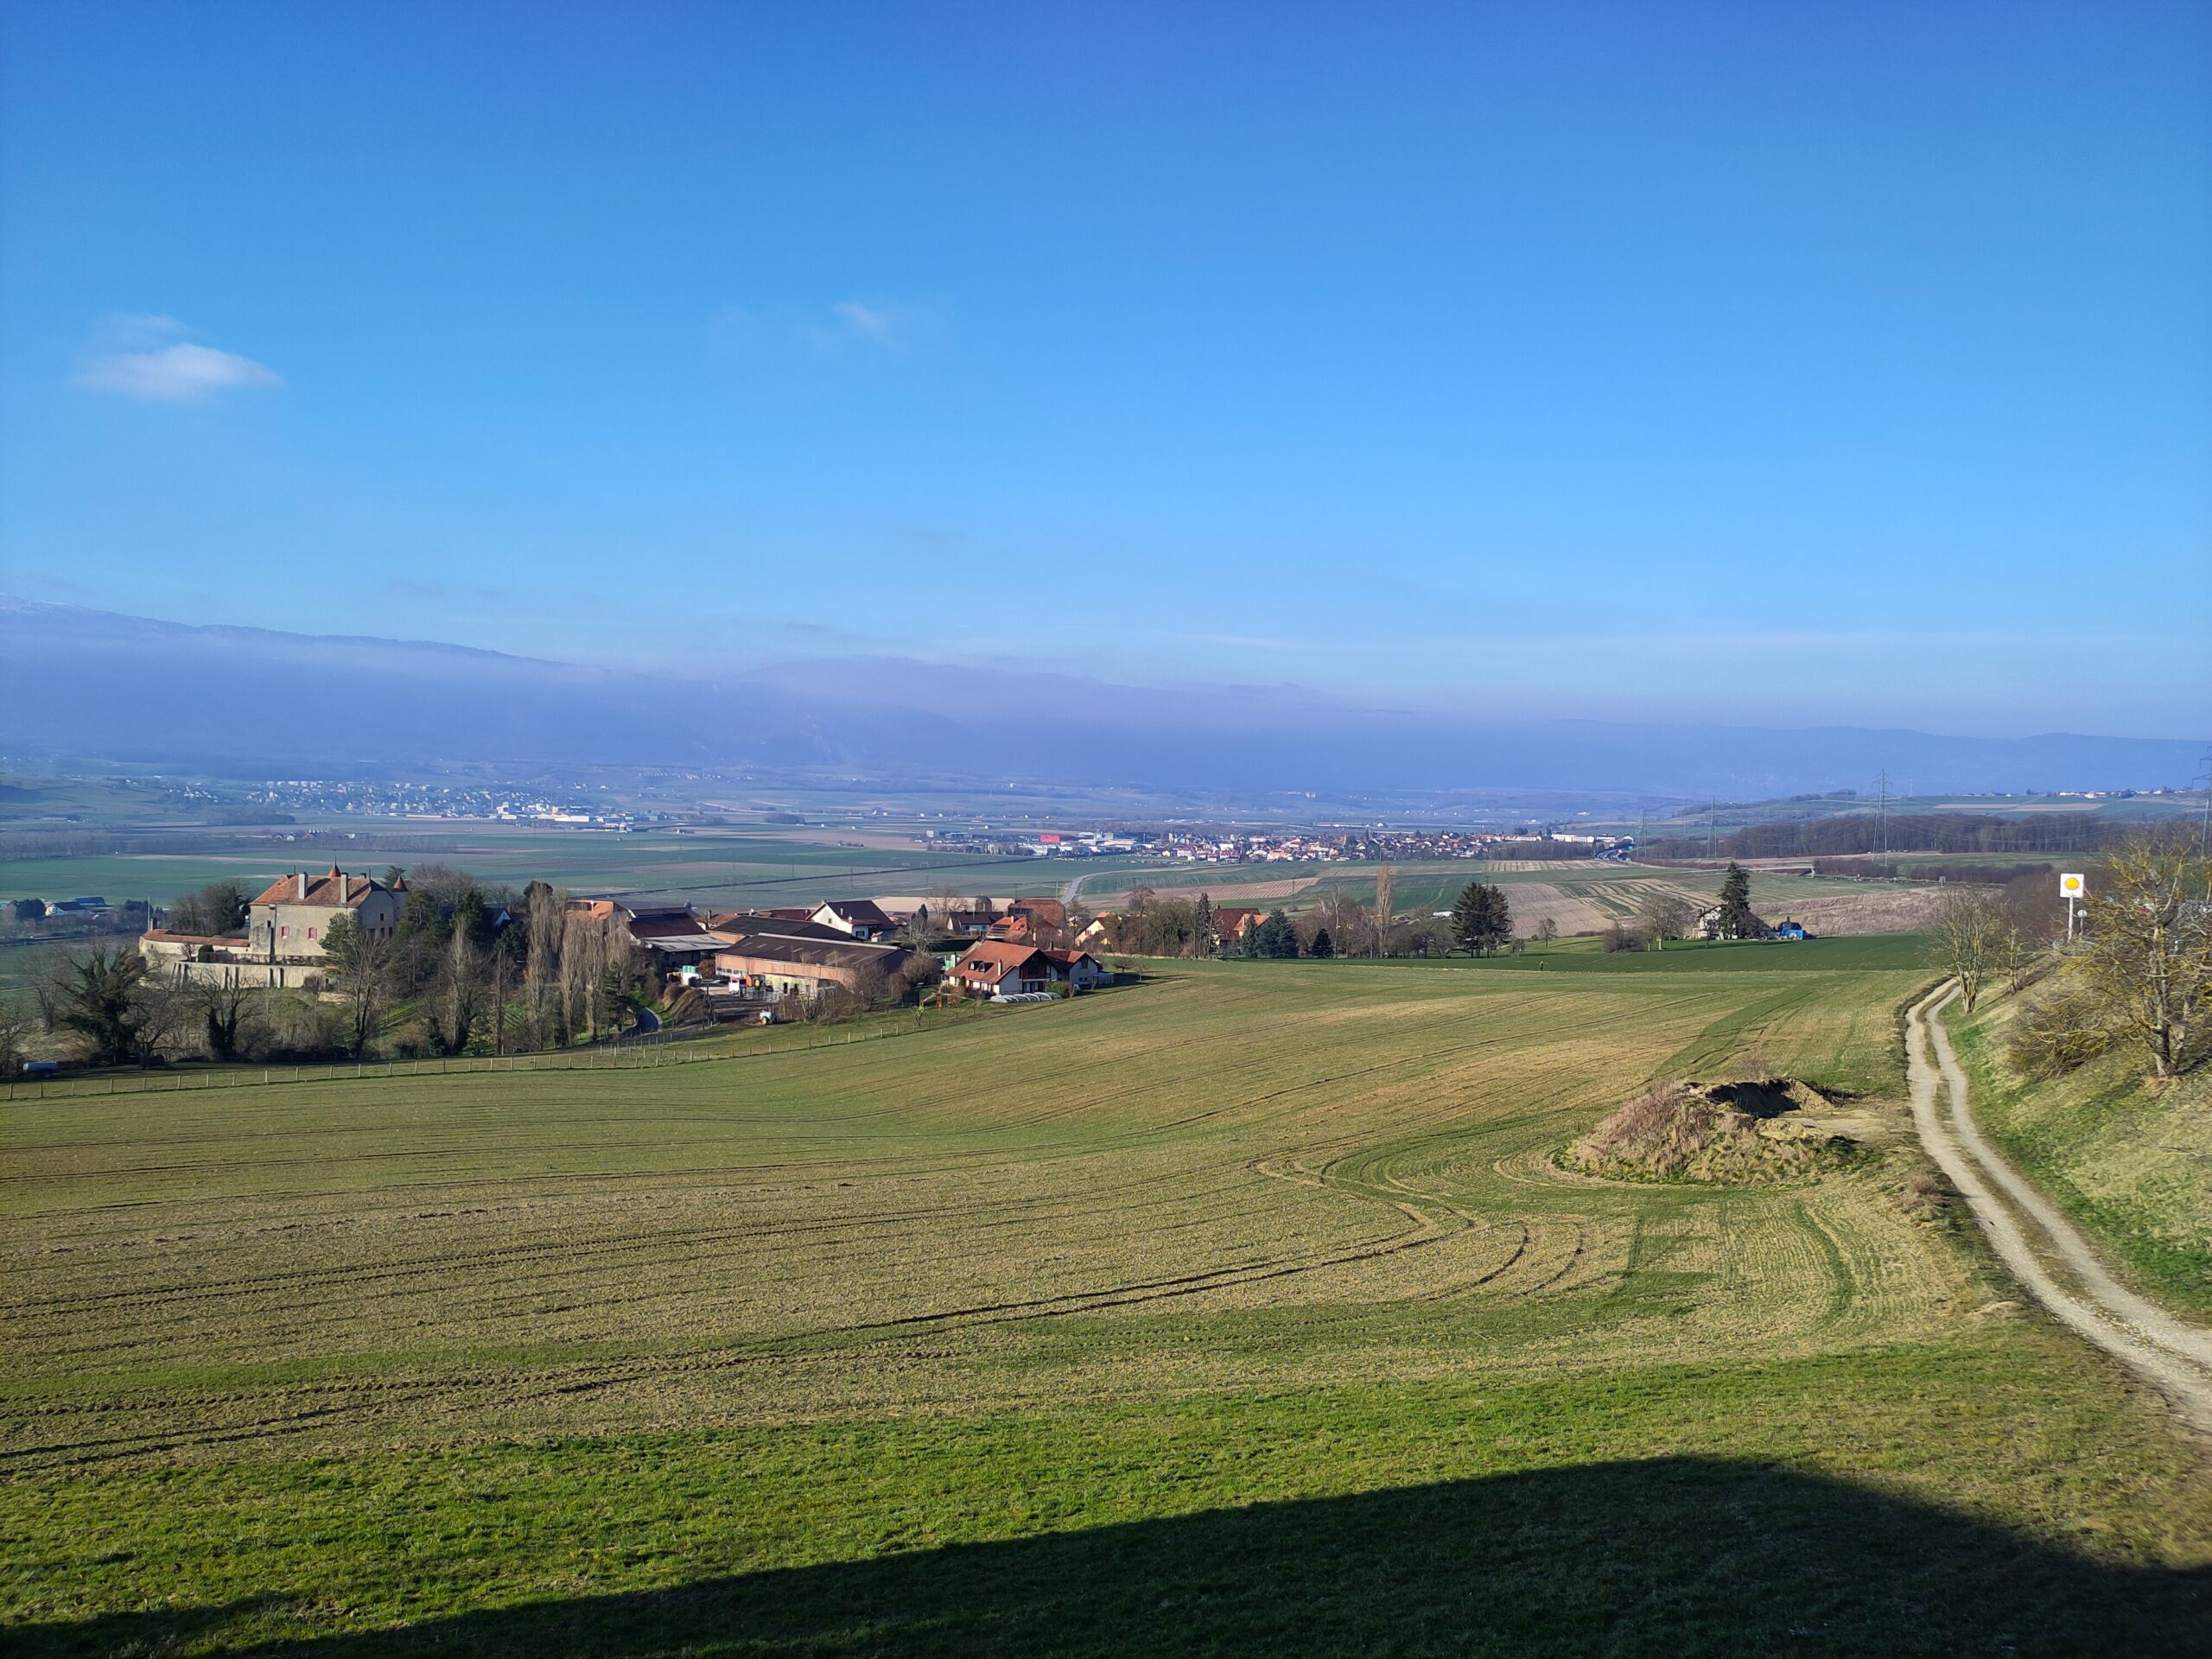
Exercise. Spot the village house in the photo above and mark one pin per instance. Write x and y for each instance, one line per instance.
(997, 968)
(1082, 970)
(862, 918)
(1708, 926)
(1044, 914)
(1001, 968)
(1231, 924)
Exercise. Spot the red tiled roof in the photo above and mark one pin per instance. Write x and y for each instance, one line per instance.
(992, 960)
(335, 891)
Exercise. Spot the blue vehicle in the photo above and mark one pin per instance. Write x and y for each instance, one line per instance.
(35, 1070)
(1791, 930)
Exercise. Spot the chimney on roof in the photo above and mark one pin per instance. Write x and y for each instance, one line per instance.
(303, 887)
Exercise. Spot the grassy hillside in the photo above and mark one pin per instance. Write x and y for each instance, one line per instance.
(1243, 1309)
(2129, 1159)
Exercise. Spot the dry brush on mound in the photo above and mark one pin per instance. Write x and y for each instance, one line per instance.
(1756, 1131)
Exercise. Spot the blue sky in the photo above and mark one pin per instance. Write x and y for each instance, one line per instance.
(1775, 364)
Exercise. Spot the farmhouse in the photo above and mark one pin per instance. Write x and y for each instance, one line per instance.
(1231, 924)
(781, 958)
(1082, 970)
(998, 968)
(1708, 926)
(860, 918)
(1002, 968)
(1043, 913)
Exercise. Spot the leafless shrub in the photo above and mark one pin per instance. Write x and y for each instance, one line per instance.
(2059, 1031)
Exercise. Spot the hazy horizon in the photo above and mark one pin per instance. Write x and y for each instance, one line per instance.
(73, 686)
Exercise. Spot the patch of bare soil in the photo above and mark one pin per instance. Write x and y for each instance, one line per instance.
(1880, 909)
(1767, 1130)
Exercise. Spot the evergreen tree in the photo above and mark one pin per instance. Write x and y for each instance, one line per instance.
(1737, 921)
(1322, 945)
(1467, 917)
(1273, 937)
(1497, 916)
(1481, 919)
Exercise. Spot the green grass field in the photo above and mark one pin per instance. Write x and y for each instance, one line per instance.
(1241, 1310)
(2129, 1159)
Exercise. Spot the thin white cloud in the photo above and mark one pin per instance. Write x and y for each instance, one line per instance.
(868, 325)
(842, 328)
(122, 330)
(870, 321)
(130, 360)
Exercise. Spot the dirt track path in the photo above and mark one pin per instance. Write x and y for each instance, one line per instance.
(2175, 1357)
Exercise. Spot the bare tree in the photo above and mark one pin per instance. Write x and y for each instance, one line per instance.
(1346, 920)
(589, 946)
(2148, 954)
(545, 915)
(1386, 911)
(457, 996)
(362, 966)
(13, 1029)
(223, 1004)
(1968, 938)
(1666, 915)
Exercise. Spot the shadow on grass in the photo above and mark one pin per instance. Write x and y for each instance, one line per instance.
(1670, 1556)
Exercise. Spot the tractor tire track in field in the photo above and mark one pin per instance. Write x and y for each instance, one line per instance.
(2029, 1235)
(1322, 1192)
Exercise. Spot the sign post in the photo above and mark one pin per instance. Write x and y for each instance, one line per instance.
(2074, 890)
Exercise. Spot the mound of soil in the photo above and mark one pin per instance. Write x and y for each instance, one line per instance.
(1766, 1131)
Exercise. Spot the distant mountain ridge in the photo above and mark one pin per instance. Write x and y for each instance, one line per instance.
(93, 685)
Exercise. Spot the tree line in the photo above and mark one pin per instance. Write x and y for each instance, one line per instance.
(472, 967)
(1857, 834)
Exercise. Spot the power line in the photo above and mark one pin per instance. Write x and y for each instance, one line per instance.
(1882, 787)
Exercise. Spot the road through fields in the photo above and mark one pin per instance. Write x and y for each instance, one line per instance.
(2173, 1355)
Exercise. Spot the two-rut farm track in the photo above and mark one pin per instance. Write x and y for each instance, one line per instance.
(2036, 1245)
